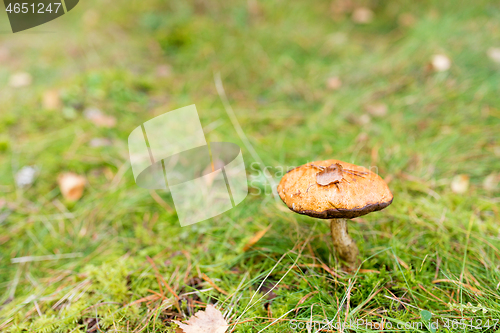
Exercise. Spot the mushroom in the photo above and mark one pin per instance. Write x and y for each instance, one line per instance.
(335, 190)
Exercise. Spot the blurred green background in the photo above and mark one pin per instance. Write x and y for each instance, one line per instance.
(408, 87)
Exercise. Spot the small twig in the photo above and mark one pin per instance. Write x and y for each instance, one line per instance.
(158, 275)
(396, 299)
(145, 299)
(427, 291)
(402, 263)
(256, 238)
(468, 286)
(329, 270)
(303, 299)
(206, 278)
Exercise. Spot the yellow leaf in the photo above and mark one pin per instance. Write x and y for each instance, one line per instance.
(71, 185)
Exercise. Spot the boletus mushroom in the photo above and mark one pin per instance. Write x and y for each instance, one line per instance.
(338, 191)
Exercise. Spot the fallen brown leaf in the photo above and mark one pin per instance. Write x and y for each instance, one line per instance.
(98, 118)
(339, 7)
(460, 184)
(362, 120)
(406, 20)
(254, 8)
(362, 137)
(377, 109)
(209, 321)
(494, 54)
(163, 71)
(440, 63)
(71, 185)
(19, 80)
(490, 183)
(90, 18)
(4, 54)
(51, 100)
(333, 83)
(362, 15)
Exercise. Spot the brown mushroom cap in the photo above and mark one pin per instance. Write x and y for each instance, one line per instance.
(354, 196)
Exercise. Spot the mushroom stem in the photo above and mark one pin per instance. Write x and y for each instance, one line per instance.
(343, 243)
